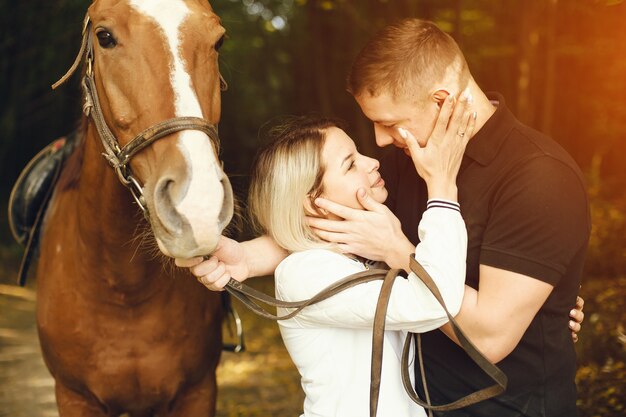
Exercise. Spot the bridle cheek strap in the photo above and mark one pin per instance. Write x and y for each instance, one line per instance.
(118, 157)
(79, 57)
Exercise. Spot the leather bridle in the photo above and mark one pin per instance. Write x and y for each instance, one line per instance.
(117, 156)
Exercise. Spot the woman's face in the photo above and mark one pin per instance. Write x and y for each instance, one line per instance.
(346, 170)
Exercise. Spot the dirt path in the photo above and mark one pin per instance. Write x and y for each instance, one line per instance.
(259, 382)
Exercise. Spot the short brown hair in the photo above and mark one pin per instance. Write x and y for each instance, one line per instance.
(286, 171)
(405, 57)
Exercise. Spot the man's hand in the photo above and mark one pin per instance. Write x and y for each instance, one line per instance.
(374, 233)
(438, 162)
(228, 261)
(577, 316)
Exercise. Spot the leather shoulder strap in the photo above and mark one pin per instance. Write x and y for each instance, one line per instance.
(499, 378)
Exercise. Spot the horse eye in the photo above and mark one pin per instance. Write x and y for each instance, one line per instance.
(219, 43)
(106, 39)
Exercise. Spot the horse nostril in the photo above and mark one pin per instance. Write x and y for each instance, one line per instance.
(163, 189)
(164, 205)
(226, 213)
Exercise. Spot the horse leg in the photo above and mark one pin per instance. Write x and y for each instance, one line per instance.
(198, 400)
(72, 404)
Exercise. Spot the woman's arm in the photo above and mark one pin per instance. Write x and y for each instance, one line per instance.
(232, 259)
(411, 307)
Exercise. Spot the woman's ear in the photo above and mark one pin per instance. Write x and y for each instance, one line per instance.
(311, 209)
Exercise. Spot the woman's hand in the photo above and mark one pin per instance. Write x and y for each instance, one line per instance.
(226, 262)
(438, 162)
(374, 233)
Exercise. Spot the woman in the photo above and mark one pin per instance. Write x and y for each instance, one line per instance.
(330, 342)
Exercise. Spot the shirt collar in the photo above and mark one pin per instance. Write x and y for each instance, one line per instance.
(484, 145)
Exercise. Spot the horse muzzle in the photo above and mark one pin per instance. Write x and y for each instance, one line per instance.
(188, 220)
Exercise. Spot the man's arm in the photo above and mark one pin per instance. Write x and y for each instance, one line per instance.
(517, 299)
(496, 316)
(537, 225)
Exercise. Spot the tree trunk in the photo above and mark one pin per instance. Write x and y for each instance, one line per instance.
(320, 40)
(550, 64)
(528, 40)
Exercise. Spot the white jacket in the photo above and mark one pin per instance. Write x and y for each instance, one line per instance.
(331, 342)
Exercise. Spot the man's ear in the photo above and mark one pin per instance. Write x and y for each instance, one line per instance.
(439, 96)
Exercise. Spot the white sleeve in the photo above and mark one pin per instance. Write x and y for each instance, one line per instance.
(412, 307)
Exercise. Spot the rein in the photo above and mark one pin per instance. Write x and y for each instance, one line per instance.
(251, 299)
(119, 157)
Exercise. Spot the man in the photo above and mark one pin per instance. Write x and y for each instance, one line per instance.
(525, 206)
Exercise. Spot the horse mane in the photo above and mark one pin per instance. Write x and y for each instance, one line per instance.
(71, 171)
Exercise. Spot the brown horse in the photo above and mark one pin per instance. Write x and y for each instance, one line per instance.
(120, 332)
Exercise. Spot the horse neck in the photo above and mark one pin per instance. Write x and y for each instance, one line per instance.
(109, 223)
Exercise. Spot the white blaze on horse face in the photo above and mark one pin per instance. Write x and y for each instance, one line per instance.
(202, 202)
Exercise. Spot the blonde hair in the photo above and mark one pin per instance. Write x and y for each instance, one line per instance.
(406, 58)
(287, 171)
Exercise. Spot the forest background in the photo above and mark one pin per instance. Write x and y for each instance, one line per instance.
(560, 64)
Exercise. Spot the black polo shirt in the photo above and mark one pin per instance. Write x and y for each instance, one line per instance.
(524, 202)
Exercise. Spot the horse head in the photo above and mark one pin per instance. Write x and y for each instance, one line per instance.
(154, 61)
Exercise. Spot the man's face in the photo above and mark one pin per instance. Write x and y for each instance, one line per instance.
(389, 114)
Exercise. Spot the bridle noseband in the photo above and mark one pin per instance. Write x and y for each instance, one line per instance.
(119, 157)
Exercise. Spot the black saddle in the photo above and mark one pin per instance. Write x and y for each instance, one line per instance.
(30, 196)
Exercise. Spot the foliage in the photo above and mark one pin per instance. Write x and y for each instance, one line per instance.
(292, 56)
(559, 64)
(601, 375)
(601, 350)
(38, 45)
(606, 256)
